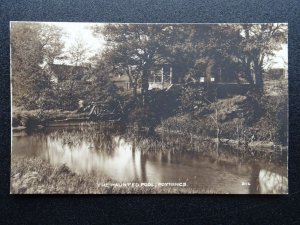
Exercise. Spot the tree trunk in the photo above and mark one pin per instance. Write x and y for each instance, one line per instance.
(258, 76)
(248, 72)
(134, 89)
(133, 81)
(247, 59)
(145, 86)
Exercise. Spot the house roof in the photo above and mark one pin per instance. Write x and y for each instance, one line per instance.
(276, 69)
(162, 61)
(62, 71)
(122, 78)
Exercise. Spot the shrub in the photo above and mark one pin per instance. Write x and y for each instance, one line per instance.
(193, 98)
(143, 117)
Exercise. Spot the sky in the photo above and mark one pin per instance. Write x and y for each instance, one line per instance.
(82, 31)
(280, 59)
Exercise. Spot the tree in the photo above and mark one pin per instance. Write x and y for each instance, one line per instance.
(194, 50)
(78, 52)
(26, 55)
(135, 46)
(74, 87)
(258, 42)
(187, 44)
(51, 40)
(101, 88)
(237, 49)
(32, 44)
(198, 50)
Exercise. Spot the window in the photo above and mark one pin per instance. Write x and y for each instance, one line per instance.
(201, 79)
(157, 78)
(212, 79)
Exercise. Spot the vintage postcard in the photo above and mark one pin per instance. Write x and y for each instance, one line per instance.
(117, 108)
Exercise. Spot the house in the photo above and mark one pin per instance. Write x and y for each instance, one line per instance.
(165, 74)
(207, 70)
(122, 82)
(277, 73)
(160, 78)
(62, 72)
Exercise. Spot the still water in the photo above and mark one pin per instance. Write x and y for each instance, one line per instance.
(129, 157)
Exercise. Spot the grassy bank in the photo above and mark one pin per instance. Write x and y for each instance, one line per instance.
(234, 121)
(34, 118)
(35, 176)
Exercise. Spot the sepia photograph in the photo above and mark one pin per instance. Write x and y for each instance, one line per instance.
(149, 108)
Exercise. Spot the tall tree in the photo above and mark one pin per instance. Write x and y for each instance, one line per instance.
(32, 44)
(51, 40)
(74, 87)
(78, 52)
(238, 50)
(102, 88)
(137, 46)
(26, 55)
(259, 41)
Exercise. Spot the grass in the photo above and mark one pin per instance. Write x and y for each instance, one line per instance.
(32, 118)
(237, 120)
(35, 176)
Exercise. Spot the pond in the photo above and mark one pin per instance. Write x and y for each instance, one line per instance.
(127, 156)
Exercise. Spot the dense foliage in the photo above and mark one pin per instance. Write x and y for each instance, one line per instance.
(34, 48)
(236, 53)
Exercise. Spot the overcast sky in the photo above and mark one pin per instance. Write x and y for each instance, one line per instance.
(83, 32)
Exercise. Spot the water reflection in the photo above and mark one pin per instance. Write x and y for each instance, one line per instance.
(272, 183)
(127, 158)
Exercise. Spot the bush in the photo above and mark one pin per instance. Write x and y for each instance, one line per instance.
(29, 119)
(252, 108)
(164, 104)
(16, 121)
(143, 117)
(192, 98)
(274, 122)
(160, 104)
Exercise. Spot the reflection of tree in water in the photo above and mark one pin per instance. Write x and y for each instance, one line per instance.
(135, 140)
(272, 182)
(133, 152)
(143, 158)
(174, 143)
(98, 138)
(268, 179)
(39, 137)
(35, 142)
(178, 149)
(104, 142)
(254, 179)
(165, 148)
(165, 157)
